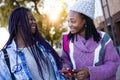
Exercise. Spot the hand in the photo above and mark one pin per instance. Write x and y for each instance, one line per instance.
(66, 72)
(82, 73)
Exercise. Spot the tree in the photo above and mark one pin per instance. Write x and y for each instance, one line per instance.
(50, 31)
(8, 5)
(54, 29)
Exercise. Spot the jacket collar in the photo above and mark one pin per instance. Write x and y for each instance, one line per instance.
(13, 45)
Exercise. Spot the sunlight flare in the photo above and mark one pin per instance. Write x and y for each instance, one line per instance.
(52, 8)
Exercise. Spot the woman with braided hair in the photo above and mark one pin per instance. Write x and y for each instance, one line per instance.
(30, 56)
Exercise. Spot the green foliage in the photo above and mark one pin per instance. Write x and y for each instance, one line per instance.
(8, 6)
(4, 13)
(43, 21)
(53, 36)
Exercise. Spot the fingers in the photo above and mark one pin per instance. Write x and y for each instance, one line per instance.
(66, 72)
(81, 77)
(82, 73)
(77, 70)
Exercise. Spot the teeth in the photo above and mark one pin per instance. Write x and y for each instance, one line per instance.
(33, 27)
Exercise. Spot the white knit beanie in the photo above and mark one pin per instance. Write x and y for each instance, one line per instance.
(86, 7)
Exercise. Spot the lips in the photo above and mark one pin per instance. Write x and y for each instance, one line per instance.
(72, 29)
(33, 26)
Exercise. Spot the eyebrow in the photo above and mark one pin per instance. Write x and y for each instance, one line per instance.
(72, 18)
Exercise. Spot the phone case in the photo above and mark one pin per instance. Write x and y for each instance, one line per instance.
(67, 71)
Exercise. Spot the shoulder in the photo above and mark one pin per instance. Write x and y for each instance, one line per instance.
(41, 47)
(105, 38)
(101, 33)
(104, 35)
(65, 35)
(1, 54)
(65, 38)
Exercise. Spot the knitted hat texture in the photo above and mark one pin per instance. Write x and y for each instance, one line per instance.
(86, 7)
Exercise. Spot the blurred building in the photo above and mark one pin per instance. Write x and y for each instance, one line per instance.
(114, 8)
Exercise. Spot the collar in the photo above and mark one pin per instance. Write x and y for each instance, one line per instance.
(13, 45)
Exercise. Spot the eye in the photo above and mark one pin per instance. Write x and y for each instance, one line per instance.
(73, 21)
(32, 19)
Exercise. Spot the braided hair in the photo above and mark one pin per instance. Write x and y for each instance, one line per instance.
(18, 17)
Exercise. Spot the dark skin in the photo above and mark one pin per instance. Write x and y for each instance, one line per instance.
(33, 24)
(76, 24)
(81, 73)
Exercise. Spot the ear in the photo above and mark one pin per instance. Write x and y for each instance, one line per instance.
(84, 21)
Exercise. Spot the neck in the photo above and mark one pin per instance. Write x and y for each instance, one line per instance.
(19, 41)
(82, 32)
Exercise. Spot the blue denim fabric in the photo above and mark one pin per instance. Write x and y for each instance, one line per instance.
(58, 75)
(20, 68)
(4, 72)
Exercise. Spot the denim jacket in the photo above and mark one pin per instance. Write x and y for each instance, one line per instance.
(4, 72)
(18, 64)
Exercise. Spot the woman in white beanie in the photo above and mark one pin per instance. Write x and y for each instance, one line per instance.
(90, 53)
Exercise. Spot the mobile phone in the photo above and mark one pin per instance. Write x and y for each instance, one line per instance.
(67, 71)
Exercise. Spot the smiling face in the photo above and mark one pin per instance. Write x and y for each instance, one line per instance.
(32, 22)
(76, 22)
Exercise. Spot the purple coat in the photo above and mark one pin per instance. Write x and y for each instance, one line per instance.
(84, 55)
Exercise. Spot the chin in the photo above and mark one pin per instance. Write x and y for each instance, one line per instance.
(73, 32)
(33, 32)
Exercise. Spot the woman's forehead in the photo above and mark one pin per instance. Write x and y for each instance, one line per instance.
(29, 13)
(73, 14)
